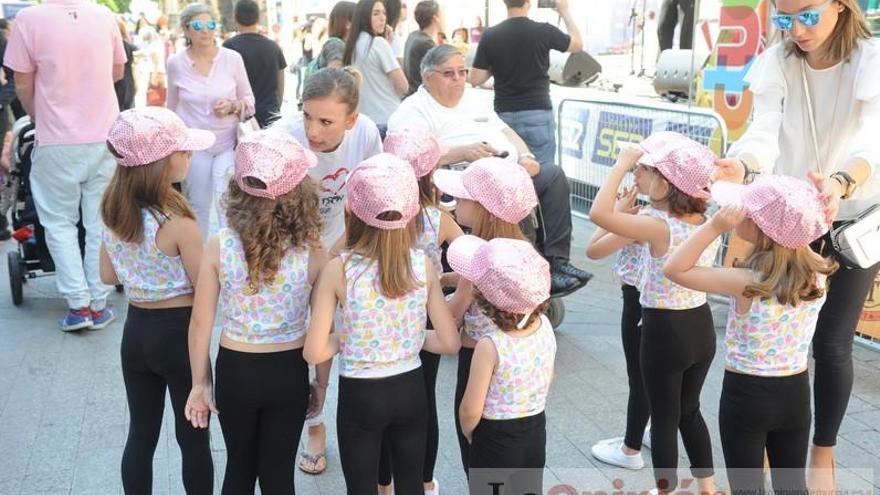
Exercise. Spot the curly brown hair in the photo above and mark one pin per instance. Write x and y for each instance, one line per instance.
(505, 320)
(268, 228)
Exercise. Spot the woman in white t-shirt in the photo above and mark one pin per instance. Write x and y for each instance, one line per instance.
(368, 49)
(340, 137)
(826, 62)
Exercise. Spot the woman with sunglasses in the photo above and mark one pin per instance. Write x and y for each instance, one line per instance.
(209, 89)
(368, 48)
(816, 111)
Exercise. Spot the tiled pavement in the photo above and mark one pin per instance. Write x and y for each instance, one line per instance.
(63, 411)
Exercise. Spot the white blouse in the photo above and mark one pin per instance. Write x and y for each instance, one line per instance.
(846, 105)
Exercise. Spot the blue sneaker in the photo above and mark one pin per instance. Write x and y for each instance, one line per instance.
(76, 319)
(101, 319)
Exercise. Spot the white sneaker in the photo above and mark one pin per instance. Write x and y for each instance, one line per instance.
(436, 490)
(646, 438)
(612, 453)
(610, 440)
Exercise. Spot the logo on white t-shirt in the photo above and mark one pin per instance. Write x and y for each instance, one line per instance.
(331, 188)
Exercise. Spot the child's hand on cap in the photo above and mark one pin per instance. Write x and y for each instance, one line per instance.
(628, 154)
(729, 217)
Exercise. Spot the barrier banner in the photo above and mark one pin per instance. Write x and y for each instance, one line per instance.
(590, 133)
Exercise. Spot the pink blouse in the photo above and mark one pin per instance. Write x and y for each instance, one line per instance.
(192, 96)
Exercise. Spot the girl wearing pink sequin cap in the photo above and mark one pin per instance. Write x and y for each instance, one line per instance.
(492, 196)
(626, 451)
(775, 294)
(153, 248)
(434, 229)
(261, 270)
(386, 288)
(502, 412)
(678, 336)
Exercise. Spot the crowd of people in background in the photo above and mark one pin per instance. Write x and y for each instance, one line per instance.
(387, 221)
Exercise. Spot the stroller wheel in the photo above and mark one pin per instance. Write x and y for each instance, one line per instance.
(16, 276)
(556, 312)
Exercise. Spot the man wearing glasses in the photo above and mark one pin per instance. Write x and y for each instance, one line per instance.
(441, 107)
(66, 55)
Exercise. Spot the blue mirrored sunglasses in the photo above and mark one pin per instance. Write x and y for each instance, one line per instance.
(203, 25)
(807, 18)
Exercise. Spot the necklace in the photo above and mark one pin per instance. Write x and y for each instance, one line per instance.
(811, 113)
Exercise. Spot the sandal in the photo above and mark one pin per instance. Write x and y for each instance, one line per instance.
(314, 459)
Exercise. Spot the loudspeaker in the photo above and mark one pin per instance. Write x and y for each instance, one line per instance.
(676, 70)
(566, 69)
(573, 69)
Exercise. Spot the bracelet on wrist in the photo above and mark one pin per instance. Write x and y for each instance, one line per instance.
(750, 174)
(847, 184)
(318, 385)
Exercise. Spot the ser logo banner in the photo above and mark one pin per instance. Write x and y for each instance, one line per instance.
(573, 131)
(614, 128)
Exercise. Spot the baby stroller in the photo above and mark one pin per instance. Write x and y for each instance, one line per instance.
(32, 258)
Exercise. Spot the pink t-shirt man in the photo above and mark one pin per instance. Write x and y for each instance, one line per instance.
(71, 47)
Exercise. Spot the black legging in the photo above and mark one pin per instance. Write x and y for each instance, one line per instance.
(430, 367)
(155, 356)
(772, 413)
(677, 349)
(370, 409)
(637, 411)
(509, 444)
(465, 356)
(832, 345)
(669, 19)
(262, 398)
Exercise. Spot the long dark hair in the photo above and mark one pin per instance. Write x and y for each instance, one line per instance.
(340, 16)
(362, 23)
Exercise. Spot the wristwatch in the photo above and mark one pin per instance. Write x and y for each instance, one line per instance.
(750, 174)
(846, 182)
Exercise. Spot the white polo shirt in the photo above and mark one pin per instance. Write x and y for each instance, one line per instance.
(467, 123)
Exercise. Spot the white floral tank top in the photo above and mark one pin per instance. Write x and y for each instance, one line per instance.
(771, 339)
(627, 268)
(429, 238)
(379, 336)
(659, 292)
(148, 274)
(521, 381)
(278, 312)
(476, 324)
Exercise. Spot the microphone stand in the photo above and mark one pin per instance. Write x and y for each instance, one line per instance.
(642, 72)
(632, 22)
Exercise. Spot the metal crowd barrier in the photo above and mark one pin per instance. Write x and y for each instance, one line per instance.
(589, 133)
